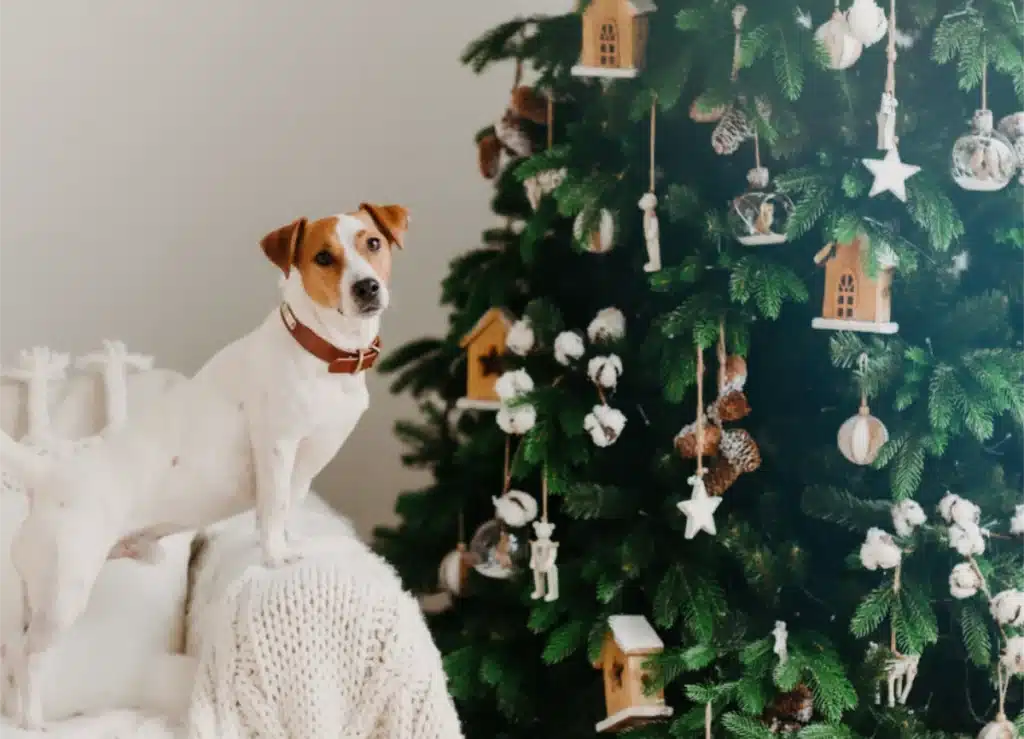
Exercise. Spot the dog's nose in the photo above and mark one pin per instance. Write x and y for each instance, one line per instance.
(366, 289)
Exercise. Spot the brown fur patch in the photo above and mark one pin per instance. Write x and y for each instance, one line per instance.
(322, 283)
(386, 223)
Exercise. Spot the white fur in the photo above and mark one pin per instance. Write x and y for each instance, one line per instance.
(263, 414)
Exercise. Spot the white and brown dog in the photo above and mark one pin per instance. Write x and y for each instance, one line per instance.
(252, 428)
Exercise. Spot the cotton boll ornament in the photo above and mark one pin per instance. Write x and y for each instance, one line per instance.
(964, 581)
(955, 509)
(513, 384)
(907, 515)
(608, 325)
(515, 508)
(605, 371)
(568, 347)
(520, 338)
(866, 22)
(1013, 655)
(879, 551)
(598, 240)
(1007, 608)
(843, 48)
(967, 539)
(1017, 522)
(604, 424)
(516, 420)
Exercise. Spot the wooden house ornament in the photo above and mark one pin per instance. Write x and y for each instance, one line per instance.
(485, 347)
(614, 37)
(629, 643)
(854, 300)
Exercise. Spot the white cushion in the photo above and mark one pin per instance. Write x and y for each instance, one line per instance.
(120, 653)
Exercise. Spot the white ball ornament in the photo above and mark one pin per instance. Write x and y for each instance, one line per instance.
(842, 47)
(601, 239)
(1001, 728)
(861, 437)
(867, 22)
(453, 573)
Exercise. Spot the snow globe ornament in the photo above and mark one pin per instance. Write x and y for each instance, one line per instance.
(866, 22)
(759, 216)
(498, 551)
(601, 238)
(843, 47)
(1012, 127)
(983, 159)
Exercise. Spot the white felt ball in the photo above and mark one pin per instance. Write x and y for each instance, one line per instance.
(843, 49)
(451, 575)
(861, 437)
(867, 22)
(601, 239)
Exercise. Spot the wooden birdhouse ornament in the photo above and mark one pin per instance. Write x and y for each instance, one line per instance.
(854, 300)
(629, 643)
(485, 348)
(614, 38)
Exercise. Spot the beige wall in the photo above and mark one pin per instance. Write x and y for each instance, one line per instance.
(147, 145)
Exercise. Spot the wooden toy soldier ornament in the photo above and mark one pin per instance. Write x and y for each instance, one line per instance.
(648, 203)
(544, 552)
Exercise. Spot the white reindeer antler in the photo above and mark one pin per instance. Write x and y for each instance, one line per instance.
(114, 362)
(37, 367)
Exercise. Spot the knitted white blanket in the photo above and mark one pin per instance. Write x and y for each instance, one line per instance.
(327, 647)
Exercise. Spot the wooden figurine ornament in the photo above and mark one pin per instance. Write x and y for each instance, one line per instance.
(614, 37)
(855, 301)
(544, 552)
(629, 643)
(485, 347)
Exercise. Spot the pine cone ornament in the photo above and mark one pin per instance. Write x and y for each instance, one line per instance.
(740, 449)
(529, 105)
(732, 406)
(488, 155)
(791, 711)
(686, 440)
(732, 129)
(512, 136)
(735, 372)
(720, 476)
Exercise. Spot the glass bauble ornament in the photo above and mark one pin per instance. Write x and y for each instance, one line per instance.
(867, 22)
(861, 437)
(842, 47)
(759, 216)
(601, 239)
(1012, 127)
(1001, 728)
(983, 159)
(498, 550)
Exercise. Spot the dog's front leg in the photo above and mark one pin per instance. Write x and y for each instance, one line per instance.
(275, 462)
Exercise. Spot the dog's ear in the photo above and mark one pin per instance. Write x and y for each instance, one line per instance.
(281, 245)
(392, 220)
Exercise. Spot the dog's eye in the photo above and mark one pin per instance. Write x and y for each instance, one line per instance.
(324, 258)
(373, 243)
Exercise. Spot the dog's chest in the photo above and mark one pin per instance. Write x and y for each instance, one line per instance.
(330, 400)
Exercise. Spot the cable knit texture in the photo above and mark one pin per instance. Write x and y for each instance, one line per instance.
(327, 647)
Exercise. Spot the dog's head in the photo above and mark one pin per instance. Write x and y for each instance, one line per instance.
(344, 261)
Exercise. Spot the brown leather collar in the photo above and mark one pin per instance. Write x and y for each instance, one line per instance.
(339, 361)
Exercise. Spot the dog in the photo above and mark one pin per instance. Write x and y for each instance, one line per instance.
(252, 428)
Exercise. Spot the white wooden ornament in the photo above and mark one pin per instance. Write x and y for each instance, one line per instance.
(601, 239)
(543, 555)
(843, 48)
(1001, 728)
(861, 437)
(891, 174)
(114, 361)
(648, 203)
(699, 509)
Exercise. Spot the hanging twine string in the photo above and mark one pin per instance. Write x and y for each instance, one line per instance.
(544, 494)
(984, 80)
(721, 355)
(707, 720)
(890, 73)
(757, 148)
(1003, 678)
(654, 116)
(551, 120)
(895, 589)
(862, 362)
(462, 528)
(737, 22)
(700, 412)
(507, 469)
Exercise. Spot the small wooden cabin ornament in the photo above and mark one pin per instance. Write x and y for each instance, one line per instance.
(614, 37)
(485, 348)
(629, 643)
(855, 301)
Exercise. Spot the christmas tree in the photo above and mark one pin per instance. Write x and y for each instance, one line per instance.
(768, 393)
